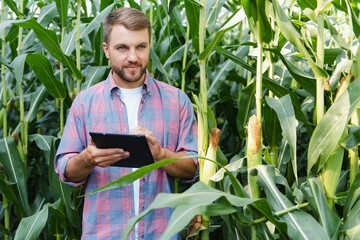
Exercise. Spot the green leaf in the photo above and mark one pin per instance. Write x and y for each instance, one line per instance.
(14, 168)
(301, 225)
(232, 21)
(49, 40)
(192, 8)
(10, 190)
(353, 138)
(93, 75)
(42, 67)
(306, 81)
(278, 90)
(197, 197)
(291, 34)
(318, 202)
(14, 8)
(36, 99)
(263, 207)
(60, 190)
(31, 227)
(258, 19)
(328, 132)
(307, 4)
(97, 21)
(63, 8)
(18, 65)
(352, 220)
(157, 64)
(286, 115)
(129, 178)
(351, 200)
(335, 34)
(223, 69)
(182, 215)
(213, 9)
(70, 40)
(246, 102)
(46, 16)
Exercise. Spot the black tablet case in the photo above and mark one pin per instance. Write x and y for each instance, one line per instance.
(136, 145)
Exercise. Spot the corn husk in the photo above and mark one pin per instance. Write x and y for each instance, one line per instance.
(210, 167)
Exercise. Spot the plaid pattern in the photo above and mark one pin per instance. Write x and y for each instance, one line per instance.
(167, 112)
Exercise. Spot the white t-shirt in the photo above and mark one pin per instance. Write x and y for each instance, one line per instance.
(132, 97)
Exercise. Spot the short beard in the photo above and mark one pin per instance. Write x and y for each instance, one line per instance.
(131, 79)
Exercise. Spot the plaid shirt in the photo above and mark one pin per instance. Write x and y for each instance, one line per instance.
(167, 112)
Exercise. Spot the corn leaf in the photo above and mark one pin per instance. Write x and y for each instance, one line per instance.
(352, 198)
(131, 177)
(292, 35)
(278, 90)
(42, 67)
(49, 40)
(31, 227)
(328, 132)
(192, 8)
(301, 225)
(316, 197)
(198, 196)
(14, 168)
(10, 190)
(182, 215)
(353, 138)
(286, 115)
(14, 8)
(93, 75)
(47, 14)
(231, 22)
(62, 7)
(95, 24)
(351, 211)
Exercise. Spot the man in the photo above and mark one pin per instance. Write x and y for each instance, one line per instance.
(129, 100)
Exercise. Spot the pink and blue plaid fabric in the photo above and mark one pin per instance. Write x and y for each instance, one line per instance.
(167, 112)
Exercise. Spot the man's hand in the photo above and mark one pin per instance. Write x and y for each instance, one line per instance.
(155, 148)
(81, 165)
(182, 168)
(103, 157)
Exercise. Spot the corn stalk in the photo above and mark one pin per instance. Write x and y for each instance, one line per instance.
(4, 117)
(78, 60)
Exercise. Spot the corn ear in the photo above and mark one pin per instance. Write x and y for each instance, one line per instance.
(209, 167)
(253, 153)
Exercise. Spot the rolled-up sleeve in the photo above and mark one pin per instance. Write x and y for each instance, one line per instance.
(71, 144)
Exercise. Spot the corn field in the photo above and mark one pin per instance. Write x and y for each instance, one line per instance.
(276, 89)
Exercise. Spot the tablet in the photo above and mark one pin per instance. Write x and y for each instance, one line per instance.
(136, 145)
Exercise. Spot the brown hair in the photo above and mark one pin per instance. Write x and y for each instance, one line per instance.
(130, 18)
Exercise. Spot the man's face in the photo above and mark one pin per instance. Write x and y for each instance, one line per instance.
(128, 52)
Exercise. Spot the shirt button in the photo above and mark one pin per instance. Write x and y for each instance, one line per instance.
(142, 236)
(143, 179)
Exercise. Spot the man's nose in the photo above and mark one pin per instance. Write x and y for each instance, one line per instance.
(132, 55)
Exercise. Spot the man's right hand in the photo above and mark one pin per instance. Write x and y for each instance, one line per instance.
(81, 165)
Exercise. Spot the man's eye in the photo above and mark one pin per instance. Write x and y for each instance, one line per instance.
(142, 46)
(121, 48)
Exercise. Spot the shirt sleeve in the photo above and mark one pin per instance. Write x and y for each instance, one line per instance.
(72, 143)
(188, 130)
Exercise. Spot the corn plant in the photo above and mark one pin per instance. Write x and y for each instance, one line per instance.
(279, 79)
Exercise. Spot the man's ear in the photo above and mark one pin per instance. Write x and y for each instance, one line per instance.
(106, 49)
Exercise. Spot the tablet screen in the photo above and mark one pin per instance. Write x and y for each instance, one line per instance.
(136, 145)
